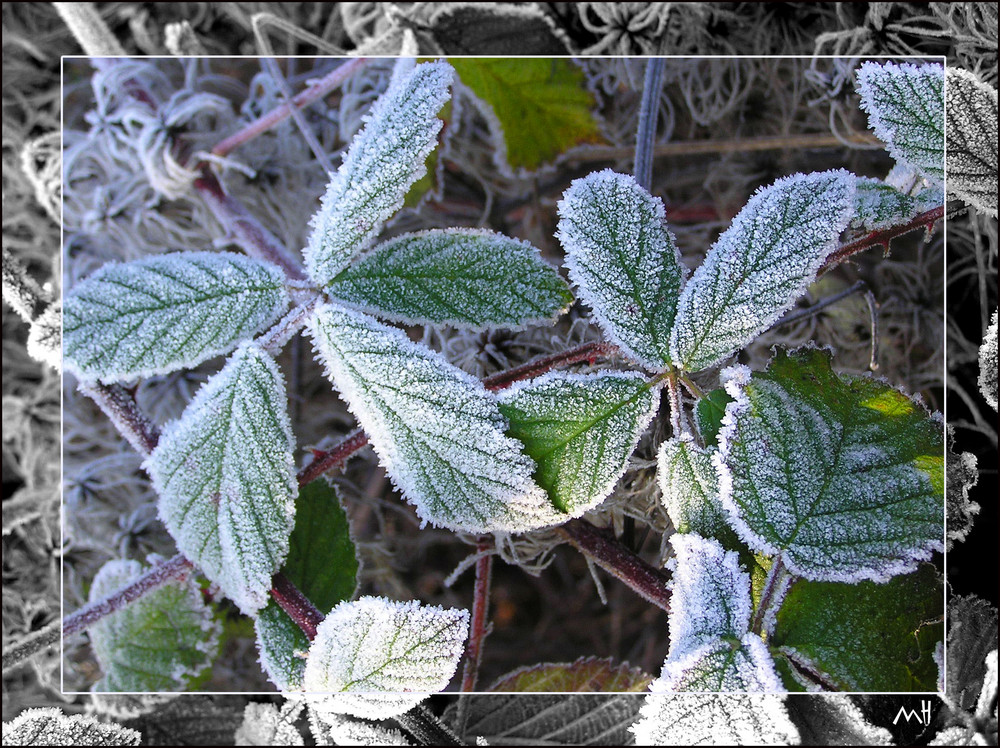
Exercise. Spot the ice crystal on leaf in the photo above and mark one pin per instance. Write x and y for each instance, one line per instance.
(580, 429)
(396, 652)
(156, 643)
(265, 724)
(988, 364)
(711, 595)
(438, 432)
(334, 729)
(879, 205)
(384, 160)
(173, 311)
(971, 114)
(760, 265)
(719, 719)
(841, 475)
(905, 105)
(721, 665)
(689, 486)
(461, 277)
(226, 478)
(623, 261)
(52, 727)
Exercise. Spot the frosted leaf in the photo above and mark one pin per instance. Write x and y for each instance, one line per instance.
(834, 720)
(878, 205)
(339, 730)
(988, 696)
(168, 312)
(281, 647)
(905, 105)
(396, 652)
(729, 664)
(45, 337)
(963, 475)
(689, 486)
(466, 278)
(841, 475)
(971, 114)
(384, 160)
(580, 429)
(760, 265)
(952, 736)
(52, 727)
(711, 595)
(623, 261)
(719, 719)
(265, 724)
(988, 364)
(437, 430)
(159, 641)
(226, 477)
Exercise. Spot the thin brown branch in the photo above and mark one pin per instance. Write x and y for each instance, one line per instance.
(325, 460)
(925, 220)
(600, 546)
(480, 614)
(16, 653)
(123, 411)
(587, 352)
(298, 607)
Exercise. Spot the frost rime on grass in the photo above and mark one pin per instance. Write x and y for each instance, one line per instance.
(760, 265)
(384, 649)
(438, 432)
(169, 312)
(623, 261)
(226, 479)
(384, 160)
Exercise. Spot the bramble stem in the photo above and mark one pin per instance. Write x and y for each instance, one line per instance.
(587, 352)
(298, 607)
(426, 728)
(327, 460)
(480, 613)
(29, 646)
(245, 229)
(177, 568)
(925, 220)
(649, 110)
(675, 402)
(775, 586)
(123, 411)
(645, 580)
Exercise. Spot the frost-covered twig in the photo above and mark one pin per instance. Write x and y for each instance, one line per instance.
(480, 613)
(649, 109)
(426, 728)
(89, 29)
(646, 581)
(177, 568)
(244, 228)
(325, 460)
(589, 352)
(24, 650)
(925, 220)
(20, 290)
(123, 411)
(298, 607)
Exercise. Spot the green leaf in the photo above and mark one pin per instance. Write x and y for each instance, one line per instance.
(438, 432)
(623, 261)
(760, 265)
(905, 105)
(878, 205)
(169, 312)
(51, 727)
(466, 278)
(721, 665)
(322, 563)
(537, 108)
(585, 674)
(383, 162)
(840, 475)
(226, 478)
(385, 648)
(158, 642)
(971, 114)
(708, 414)
(866, 636)
(714, 719)
(580, 430)
(689, 487)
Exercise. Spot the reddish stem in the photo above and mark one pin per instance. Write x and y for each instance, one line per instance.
(327, 460)
(298, 607)
(586, 352)
(925, 220)
(601, 547)
(316, 91)
(480, 614)
(123, 411)
(176, 568)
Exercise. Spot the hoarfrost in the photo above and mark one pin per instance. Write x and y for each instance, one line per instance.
(721, 665)
(623, 261)
(338, 730)
(159, 314)
(689, 486)
(879, 205)
(52, 727)
(384, 160)
(264, 724)
(988, 364)
(438, 432)
(905, 105)
(711, 595)
(466, 278)
(760, 265)
(721, 719)
(580, 429)
(971, 114)
(226, 480)
(396, 652)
